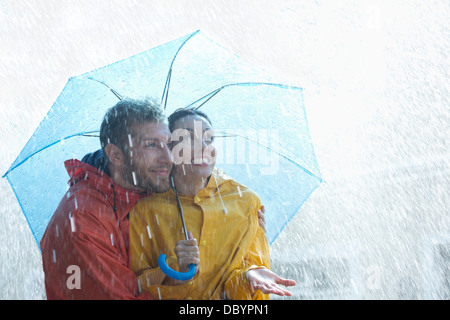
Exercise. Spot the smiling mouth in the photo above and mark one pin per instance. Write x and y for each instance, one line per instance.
(161, 172)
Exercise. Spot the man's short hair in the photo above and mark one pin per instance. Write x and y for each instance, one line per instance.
(119, 120)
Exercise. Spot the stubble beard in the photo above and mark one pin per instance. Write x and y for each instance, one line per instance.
(134, 177)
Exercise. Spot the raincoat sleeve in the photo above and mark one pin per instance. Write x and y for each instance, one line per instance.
(106, 270)
(150, 277)
(89, 251)
(236, 286)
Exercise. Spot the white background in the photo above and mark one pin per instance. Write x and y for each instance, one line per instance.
(376, 89)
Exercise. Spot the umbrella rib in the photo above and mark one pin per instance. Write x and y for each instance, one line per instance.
(277, 152)
(237, 84)
(169, 74)
(212, 94)
(118, 95)
(166, 93)
(86, 133)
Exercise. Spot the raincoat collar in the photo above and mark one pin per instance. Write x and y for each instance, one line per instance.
(121, 199)
(216, 179)
(218, 184)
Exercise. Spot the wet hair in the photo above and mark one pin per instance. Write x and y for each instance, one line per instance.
(119, 121)
(181, 113)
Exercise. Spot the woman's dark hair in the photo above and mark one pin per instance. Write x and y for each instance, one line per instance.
(181, 113)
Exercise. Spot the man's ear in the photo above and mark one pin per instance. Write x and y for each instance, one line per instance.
(114, 154)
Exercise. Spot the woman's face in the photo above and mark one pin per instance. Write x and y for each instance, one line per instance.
(193, 148)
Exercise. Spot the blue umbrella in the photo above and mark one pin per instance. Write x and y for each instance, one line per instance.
(266, 139)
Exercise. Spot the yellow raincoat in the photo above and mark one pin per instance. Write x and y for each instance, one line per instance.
(230, 243)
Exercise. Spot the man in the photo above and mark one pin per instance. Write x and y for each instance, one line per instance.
(85, 245)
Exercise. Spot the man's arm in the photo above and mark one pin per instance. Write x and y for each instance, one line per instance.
(81, 260)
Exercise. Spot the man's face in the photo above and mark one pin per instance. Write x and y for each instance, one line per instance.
(147, 161)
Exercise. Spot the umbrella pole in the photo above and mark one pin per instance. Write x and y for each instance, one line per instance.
(180, 209)
(182, 276)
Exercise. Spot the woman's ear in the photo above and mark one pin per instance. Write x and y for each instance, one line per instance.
(114, 154)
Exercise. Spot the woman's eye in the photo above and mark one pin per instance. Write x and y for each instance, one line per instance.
(208, 138)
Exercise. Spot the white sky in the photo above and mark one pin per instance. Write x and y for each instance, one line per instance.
(362, 64)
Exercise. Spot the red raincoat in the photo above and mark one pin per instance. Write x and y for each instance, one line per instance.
(85, 245)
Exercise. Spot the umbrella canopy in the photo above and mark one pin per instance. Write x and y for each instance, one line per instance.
(267, 145)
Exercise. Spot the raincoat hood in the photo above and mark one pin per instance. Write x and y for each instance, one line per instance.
(97, 160)
(121, 199)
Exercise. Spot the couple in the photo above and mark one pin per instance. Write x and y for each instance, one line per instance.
(119, 214)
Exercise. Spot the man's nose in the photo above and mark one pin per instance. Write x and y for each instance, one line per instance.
(165, 154)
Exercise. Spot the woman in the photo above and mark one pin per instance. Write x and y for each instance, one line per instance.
(231, 253)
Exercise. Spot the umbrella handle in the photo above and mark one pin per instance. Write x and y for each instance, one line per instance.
(182, 276)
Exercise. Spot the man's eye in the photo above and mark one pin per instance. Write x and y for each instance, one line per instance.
(150, 144)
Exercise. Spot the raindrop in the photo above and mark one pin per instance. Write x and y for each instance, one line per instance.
(134, 177)
(184, 172)
(54, 256)
(239, 190)
(142, 239)
(126, 195)
(156, 217)
(76, 203)
(247, 168)
(57, 233)
(159, 293)
(72, 222)
(130, 140)
(112, 239)
(149, 233)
